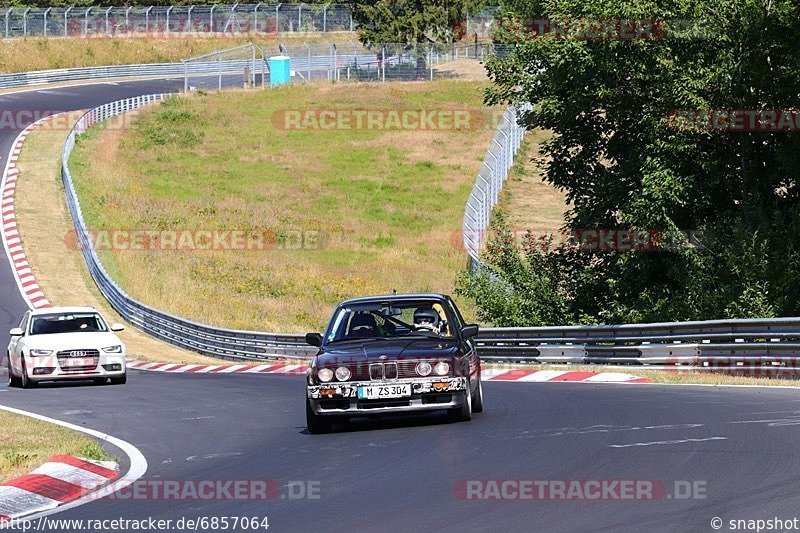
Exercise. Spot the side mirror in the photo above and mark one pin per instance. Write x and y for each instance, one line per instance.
(314, 339)
(16, 332)
(469, 331)
(117, 327)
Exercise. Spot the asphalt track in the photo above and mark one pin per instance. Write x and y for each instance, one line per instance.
(740, 444)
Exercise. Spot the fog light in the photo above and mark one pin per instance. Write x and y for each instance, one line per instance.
(115, 367)
(441, 386)
(41, 371)
(327, 392)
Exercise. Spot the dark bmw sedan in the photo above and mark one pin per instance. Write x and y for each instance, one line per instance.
(393, 354)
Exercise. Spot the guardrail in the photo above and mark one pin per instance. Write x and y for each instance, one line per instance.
(208, 340)
(721, 343)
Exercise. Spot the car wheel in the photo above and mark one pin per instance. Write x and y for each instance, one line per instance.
(463, 413)
(120, 380)
(477, 398)
(316, 424)
(13, 381)
(27, 383)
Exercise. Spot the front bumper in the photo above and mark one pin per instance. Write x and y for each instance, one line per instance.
(48, 368)
(427, 394)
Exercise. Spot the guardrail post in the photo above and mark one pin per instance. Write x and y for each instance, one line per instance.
(219, 62)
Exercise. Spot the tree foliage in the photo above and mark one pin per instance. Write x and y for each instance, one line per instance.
(411, 22)
(623, 164)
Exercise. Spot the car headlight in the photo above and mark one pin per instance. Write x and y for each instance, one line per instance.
(424, 368)
(343, 373)
(325, 374)
(117, 348)
(40, 353)
(441, 368)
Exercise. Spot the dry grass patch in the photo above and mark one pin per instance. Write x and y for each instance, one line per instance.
(383, 208)
(528, 202)
(41, 53)
(27, 443)
(45, 228)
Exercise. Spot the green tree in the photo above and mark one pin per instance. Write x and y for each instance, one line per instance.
(624, 163)
(412, 23)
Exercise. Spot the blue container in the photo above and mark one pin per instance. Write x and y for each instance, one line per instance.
(279, 70)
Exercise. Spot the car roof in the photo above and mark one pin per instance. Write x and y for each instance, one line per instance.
(56, 310)
(394, 297)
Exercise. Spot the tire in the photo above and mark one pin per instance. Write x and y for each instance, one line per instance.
(122, 380)
(316, 424)
(13, 381)
(27, 383)
(477, 398)
(463, 413)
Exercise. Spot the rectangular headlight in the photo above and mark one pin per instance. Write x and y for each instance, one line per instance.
(40, 353)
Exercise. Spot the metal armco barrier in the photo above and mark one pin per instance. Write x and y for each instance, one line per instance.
(208, 340)
(715, 342)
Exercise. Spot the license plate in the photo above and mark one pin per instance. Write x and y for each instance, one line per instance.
(77, 361)
(379, 392)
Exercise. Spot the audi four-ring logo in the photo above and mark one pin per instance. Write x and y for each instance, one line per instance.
(77, 353)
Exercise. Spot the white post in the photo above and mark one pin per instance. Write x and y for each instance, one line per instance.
(188, 27)
(46, 11)
(277, 19)
(128, 19)
(66, 14)
(108, 27)
(255, 18)
(169, 10)
(147, 20)
(211, 18)
(86, 22)
(25, 22)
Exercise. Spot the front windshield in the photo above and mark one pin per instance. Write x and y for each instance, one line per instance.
(67, 323)
(398, 318)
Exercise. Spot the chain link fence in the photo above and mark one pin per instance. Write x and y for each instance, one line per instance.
(165, 21)
(494, 171)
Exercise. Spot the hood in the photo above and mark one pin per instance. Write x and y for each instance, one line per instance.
(73, 341)
(368, 350)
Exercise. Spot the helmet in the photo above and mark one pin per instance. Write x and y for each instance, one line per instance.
(426, 316)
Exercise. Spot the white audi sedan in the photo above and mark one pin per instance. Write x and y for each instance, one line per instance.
(65, 343)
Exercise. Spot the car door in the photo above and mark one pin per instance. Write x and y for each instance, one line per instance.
(14, 348)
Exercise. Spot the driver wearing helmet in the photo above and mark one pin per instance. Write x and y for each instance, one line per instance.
(427, 318)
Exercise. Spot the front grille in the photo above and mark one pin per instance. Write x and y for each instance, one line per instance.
(364, 371)
(91, 357)
(79, 352)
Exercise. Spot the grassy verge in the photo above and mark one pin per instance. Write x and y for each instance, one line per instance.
(528, 202)
(44, 225)
(26, 443)
(40, 53)
(348, 211)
